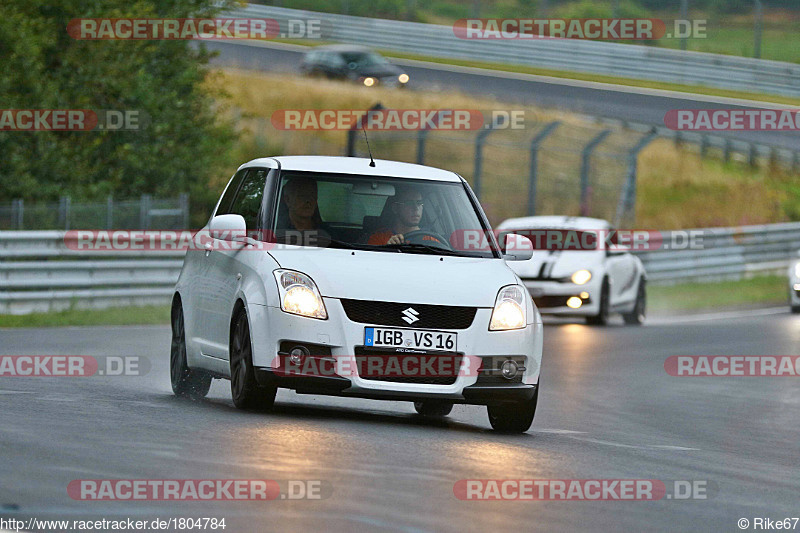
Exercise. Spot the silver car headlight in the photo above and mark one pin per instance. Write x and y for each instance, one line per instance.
(581, 277)
(509, 309)
(299, 294)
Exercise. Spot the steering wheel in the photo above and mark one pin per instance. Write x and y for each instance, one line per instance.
(418, 237)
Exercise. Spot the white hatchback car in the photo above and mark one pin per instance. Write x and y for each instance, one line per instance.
(591, 280)
(348, 287)
(794, 285)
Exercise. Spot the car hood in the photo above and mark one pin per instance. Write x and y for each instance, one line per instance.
(399, 277)
(560, 264)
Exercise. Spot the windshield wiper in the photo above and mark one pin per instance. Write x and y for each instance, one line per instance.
(426, 248)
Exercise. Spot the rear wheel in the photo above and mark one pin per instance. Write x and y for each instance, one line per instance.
(186, 382)
(433, 408)
(513, 417)
(245, 391)
(637, 315)
(601, 318)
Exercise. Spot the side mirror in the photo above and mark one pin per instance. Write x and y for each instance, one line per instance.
(517, 248)
(228, 227)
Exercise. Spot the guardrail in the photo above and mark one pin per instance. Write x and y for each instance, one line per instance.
(38, 273)
(623, 60)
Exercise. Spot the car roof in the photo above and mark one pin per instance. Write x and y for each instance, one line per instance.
(556, 222)
(354, 165)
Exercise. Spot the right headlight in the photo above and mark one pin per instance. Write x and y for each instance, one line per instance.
(509, 309)
(299, 294)
(797, 270)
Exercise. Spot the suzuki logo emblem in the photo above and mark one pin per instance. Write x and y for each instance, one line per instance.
(410, 315)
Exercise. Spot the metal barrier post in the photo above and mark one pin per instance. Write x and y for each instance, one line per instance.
(422, 137)
(627, 199)
(184, 201)
(533, 178)
(480, 139)
(586, 156)
(109, 212)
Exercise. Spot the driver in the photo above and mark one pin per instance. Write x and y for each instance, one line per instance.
(406, 210)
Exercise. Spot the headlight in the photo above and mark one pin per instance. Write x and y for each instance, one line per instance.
(299, 294)
(402, 78)
(369, 82)
(581, 276)
(797, 270)
(509, 309)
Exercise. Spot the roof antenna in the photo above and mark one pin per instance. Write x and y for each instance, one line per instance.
(371, 161)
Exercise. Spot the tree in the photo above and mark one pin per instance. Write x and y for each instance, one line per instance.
(44, 68)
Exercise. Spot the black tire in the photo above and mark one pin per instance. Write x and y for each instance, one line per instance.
(513, 417)
(186, 382)
(245, 391)
(637, 315)
(795, 309)
(433, 408)
(601, 318)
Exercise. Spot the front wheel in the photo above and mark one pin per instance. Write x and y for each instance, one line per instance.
(601, 318)
(245, 391)
(186, 382)
(637, 315)
(513, 417)
(433, 409)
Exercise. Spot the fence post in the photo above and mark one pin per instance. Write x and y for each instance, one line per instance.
(536, 142)
(184, 201)
(627, 198)
(144, 211)
(17, 212)
(109, 212)
(586, 156)
(422, 137)
(751, 159)
(757, 22)
(63, 211)
(703, 145)
(726, 154)
(480, 139)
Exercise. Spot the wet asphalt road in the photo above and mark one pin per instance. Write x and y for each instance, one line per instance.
(607, 410)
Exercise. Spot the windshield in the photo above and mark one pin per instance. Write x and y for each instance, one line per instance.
(393, 215)
(364, 59)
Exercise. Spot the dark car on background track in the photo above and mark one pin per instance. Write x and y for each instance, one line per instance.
(354, 63)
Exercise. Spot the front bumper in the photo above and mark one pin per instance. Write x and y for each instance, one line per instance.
(551, 297)
(341, 338)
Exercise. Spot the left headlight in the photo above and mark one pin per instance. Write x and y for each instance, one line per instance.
(509, 309)
(299, 294)
(581, 276)
(403, 78)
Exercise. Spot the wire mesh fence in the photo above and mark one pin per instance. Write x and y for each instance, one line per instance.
(142, 213)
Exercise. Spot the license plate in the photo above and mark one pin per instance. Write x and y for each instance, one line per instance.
(410, 338)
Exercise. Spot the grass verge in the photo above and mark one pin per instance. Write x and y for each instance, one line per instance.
(761, 290)
(114, 316)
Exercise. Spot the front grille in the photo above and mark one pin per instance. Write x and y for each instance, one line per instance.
(363, 354)
(391, 314)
